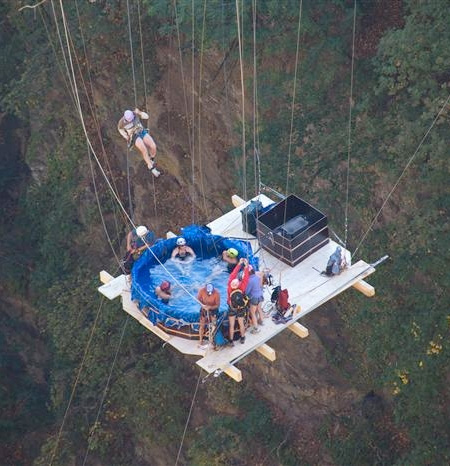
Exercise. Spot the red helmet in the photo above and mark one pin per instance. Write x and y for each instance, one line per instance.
(165, 285)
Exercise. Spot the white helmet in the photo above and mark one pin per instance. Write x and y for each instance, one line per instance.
(181, 241)
(141, 231)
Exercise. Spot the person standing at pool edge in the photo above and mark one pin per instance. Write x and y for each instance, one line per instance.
(209, 298)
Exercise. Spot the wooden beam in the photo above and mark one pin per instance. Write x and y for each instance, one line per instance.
(299, 330)
(153, 328)
(236, 200)
(170, 234)
(267, 352)
(105, 277)
(364, 288)
(233, 372)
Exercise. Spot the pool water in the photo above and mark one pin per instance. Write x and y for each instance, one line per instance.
(186, 279)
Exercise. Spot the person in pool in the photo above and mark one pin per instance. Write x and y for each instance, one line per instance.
(182, 251)
(231, 257)
(164, 292)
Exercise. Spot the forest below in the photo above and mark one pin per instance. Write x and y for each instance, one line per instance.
(346, 104)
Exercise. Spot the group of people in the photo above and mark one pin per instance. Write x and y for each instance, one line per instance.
(244, 291)
(245, 285)
(244, 294)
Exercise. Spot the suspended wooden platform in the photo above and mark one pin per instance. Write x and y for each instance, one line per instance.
(308, 289)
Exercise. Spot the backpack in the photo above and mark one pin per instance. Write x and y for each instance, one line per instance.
(281, 299)
(336, 263)
(238, 299)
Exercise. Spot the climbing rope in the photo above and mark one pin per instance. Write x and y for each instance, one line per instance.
(188, 418)
(131, 52)
(294, 91)
(349, 143)
(105, 390)
(364, 236)
(241, 66)
(200, 157)
(77, 378)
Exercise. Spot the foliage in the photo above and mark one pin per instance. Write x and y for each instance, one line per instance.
(225, 439)
(400, 341)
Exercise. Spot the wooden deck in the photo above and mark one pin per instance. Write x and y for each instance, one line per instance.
(308, 289)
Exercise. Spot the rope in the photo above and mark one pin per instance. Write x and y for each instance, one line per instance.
(100, 208)
(106, 387)
(193, 108)
(62, 49)
(244, 161)
(131, 53)
(188, 418)
(92, 106)
(200, 158)
(101, 168)
(142, 53)
(401, 176)
(130, 201)
(294, 90)
(145, 92)
(69, 90)
(255, 152)
(74, 386)
(350, 128)
(293, 101)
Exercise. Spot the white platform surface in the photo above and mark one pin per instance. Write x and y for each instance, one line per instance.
(307, 288)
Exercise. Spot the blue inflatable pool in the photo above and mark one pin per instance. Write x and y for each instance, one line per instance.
(155, 265)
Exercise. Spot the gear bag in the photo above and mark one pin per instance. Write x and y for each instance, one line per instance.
(281, 299)
(336, 263)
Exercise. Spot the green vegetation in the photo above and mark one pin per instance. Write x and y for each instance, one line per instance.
(399, 341)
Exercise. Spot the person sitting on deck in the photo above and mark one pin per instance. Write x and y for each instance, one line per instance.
(255, 293)
(137, 241)
(237, 300)
(210, 300)
(182, 251)
(164, 292)
(231, 257)
(132, 130)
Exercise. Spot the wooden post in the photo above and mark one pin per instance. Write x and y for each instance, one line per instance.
(236, 200)
(299, 330)
(233, 372)
(364, 288)
(267, 352)
(105, 277)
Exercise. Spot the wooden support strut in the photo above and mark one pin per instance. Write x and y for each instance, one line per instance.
(299, 330)
(267, 352)
(236, 200)
(105, 277)
(233, 372)
(364, 288)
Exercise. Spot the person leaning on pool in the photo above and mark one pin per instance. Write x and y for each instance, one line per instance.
(182, 251)
(164, 292)
(231, 257)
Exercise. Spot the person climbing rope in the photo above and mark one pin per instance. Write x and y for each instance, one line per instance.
(132, 130)
(137, 240)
